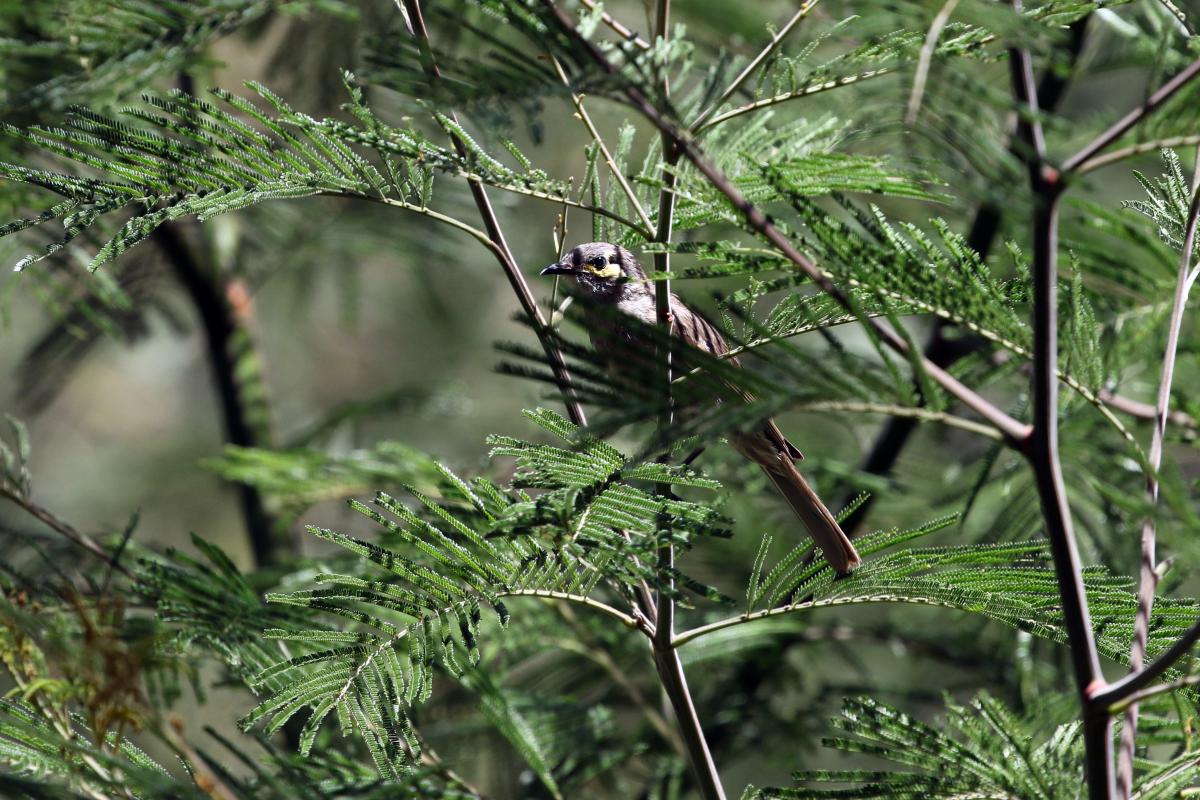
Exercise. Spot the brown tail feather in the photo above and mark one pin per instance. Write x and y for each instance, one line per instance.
(821, 525)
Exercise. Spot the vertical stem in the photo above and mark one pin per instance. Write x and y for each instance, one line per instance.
(1042, 449)
(665, 626)
(1047, 468)
(1148, 581)
(666, 657)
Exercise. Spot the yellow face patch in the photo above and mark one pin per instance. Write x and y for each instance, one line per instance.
(608, 271)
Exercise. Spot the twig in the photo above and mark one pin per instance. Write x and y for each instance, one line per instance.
(425, 211)
(618, 176)
(1108, 696)
(1135, 149)
(1122, 126)
(1140, 410)
(625, 619)
(783, 97)
(701, 631)
(914, 413)
(763, 55)
(926, 59)
(554, 198)
(1145, 694)
(1177, 12)
(623, 31)
(1013, 430)
(1043, 452)
(63, 528)
(504, 256)
(1148, 581)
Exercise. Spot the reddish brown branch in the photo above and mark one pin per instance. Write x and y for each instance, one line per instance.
(1122, 126)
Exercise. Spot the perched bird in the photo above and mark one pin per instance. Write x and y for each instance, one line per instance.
(609, 275)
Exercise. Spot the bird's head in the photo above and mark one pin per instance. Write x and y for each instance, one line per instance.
(607, 271)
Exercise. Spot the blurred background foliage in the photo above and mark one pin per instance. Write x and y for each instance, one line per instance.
(373, 336)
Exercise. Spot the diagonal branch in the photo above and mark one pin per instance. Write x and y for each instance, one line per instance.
(925, 61)
(491, 224)
(618, 176)
(1154, 145)
(622, 30)
(1115, 692)
(1122, 126)
(755, 63)
(63, 528)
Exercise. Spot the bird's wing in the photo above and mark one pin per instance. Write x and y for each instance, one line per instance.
(697, 331)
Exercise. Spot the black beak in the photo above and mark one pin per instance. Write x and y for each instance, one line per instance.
(558, 269)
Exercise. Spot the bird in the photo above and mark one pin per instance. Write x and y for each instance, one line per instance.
(608, 275)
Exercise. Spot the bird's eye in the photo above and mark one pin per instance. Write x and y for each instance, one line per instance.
(598, 261)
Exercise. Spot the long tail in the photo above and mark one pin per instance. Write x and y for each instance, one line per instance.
(821, 524)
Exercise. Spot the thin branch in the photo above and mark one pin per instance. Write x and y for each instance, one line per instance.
(783, 97)
(626, 33)
(1013, 430)
(1178, 13)
(756, 62)
(701, 631)
(1112, 694)
(1154, 145)
(63, 528)
(500, 249)
(926, 59)
(625, 619)
(436, 216)
(1043, 452)
(633, 225)
(1148, 581)
(618, 176)
(916, 413)
(1153, 691)
(1122, 126)
(1140, 410)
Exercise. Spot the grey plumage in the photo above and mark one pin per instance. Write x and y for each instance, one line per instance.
(610, 275)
